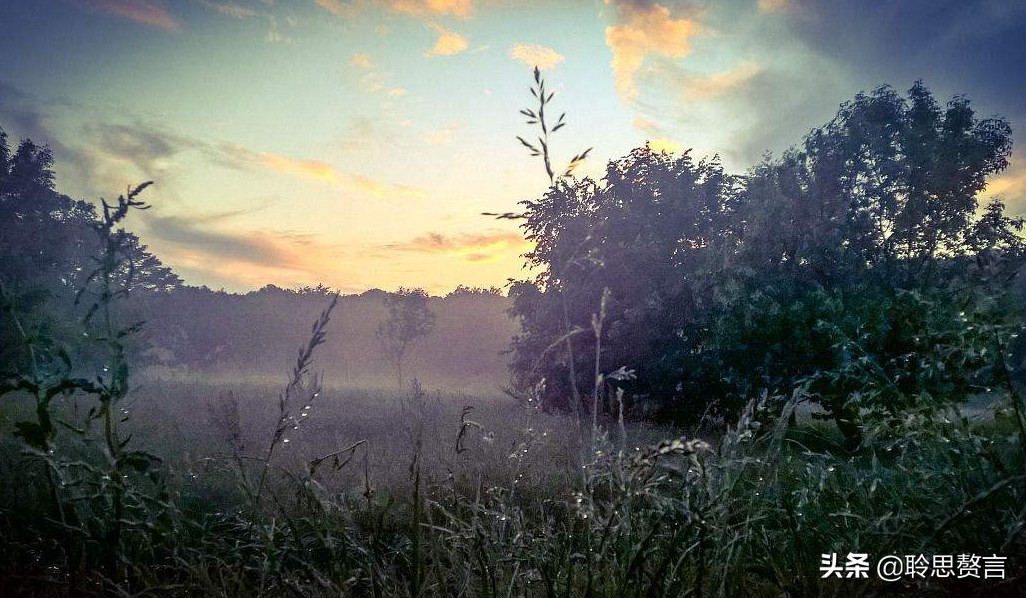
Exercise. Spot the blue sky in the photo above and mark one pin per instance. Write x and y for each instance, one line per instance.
(356, 143)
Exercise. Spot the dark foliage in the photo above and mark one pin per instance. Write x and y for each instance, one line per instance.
(863, 245)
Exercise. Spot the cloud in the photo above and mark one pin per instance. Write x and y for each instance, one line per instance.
(336, 7)
(456, 8)
(148, 148)
(534, 55)
(239, 157)
(688, 86)
(442, 136)
(967, 47)
(361, 61)
(373, 82)
(643, 124)
(415, 8)
(195, 247)
(1010, 186)
(363, 134)
(230, 9)
(665, 145)
(776, 5)
(274, 33)
(194, 234)
(27, 113)
(473, 247)
(448, 43)
(26, 116)
(397, 92)
(382, 190)
(144, 12)
(645, 30)
(311, 169)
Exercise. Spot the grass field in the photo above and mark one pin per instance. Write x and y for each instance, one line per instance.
(521, 503)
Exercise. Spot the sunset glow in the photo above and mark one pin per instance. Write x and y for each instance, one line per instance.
(357, 143)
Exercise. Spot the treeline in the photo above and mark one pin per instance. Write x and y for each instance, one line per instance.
(857, 271)
(49, 245)
(199, 330)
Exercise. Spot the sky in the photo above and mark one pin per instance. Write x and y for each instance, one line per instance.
(357, 143)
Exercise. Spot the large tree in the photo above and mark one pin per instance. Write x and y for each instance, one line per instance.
(47, 244)
(644, 237)
(868, 246)
(866, 239)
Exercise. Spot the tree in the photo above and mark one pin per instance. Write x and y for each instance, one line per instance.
(47, 241)
(648, 232)
(858, 257)
(865, 246)
(409, 320)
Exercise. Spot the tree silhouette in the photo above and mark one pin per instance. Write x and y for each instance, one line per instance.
(863, 245)
(409, 319)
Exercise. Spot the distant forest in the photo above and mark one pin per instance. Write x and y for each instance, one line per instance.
(48, 244)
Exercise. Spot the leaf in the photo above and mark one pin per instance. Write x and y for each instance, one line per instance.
(526, 144)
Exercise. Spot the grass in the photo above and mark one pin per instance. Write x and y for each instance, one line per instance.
(521, 509)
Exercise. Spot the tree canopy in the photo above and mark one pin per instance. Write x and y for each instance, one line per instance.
(865, 242)
(47, 246)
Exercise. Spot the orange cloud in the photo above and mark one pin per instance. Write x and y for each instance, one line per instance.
(645, 30)
(473, 247)
(230, 9)
(144, 12)
(382, 190)
(373, 82)
(1010, 185)
(448, 44)
(311, 169)
(457, 8)
(665, 145)
(776, 5)
(715, 84)
(443, 136)
(336, 7)
(237, 156)
(644, 124)
(534, 55)
(243, 259)
(361, 61)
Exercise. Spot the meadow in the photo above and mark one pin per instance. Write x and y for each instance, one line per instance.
(423, 492)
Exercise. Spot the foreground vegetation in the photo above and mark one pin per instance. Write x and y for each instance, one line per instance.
(380, 494)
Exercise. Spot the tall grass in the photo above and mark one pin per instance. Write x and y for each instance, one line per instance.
(515, 509)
